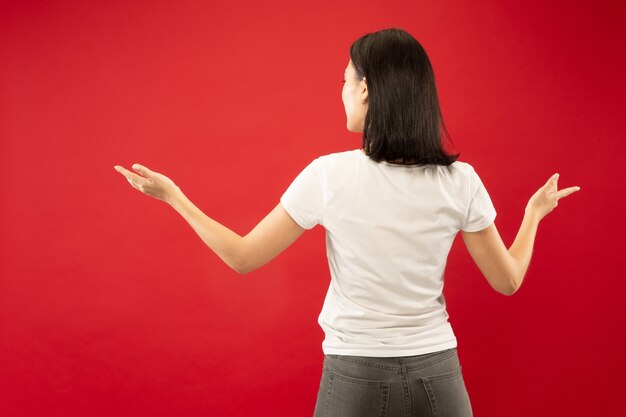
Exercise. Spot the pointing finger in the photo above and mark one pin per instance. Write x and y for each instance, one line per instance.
(566, 191)
(130, 176)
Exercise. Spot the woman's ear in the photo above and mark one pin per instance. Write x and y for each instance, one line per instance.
(363, 91)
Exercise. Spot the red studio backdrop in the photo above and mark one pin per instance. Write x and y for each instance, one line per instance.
(111, 305)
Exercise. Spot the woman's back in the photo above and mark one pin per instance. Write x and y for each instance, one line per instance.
(389, 229)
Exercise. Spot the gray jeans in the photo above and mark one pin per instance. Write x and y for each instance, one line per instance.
(403, 386)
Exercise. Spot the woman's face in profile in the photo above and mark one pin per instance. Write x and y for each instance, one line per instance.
(354, 96)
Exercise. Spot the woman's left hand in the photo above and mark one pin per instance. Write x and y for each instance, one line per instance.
(152, 183)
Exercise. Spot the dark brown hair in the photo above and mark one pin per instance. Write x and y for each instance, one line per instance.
(403, 120)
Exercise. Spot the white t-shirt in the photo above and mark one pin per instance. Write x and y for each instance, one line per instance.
(389, 229)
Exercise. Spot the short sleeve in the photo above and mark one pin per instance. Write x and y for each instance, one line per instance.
(304, 198)
(481, 212)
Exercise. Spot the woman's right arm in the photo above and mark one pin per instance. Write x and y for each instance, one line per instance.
(505, 269)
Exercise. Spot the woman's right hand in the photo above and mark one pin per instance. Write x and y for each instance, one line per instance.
(546, 198)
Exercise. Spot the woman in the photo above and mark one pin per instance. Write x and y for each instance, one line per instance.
(391, 211)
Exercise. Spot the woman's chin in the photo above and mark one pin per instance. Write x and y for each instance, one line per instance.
(353, 129)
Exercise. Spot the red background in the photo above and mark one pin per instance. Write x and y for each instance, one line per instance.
(111, 305)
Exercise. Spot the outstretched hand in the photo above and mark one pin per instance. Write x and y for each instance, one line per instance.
(150, 183)
(547, 197)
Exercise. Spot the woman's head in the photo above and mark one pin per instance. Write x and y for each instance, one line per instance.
(389, 94)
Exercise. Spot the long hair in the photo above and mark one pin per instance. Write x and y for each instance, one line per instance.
(403, 120)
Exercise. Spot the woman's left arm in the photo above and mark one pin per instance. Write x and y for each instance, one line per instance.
(275, 233)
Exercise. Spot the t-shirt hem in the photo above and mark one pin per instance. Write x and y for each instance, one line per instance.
(385, 352)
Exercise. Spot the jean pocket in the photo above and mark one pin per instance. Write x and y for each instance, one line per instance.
(447, 394)
(348, 396)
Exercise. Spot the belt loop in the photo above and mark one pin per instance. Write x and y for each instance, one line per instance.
(402, 367)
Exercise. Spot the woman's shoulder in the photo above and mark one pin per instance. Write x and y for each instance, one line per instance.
(342, 156)
(461, 166)
(352, 153)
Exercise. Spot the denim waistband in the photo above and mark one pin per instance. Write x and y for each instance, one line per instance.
(393, 362)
